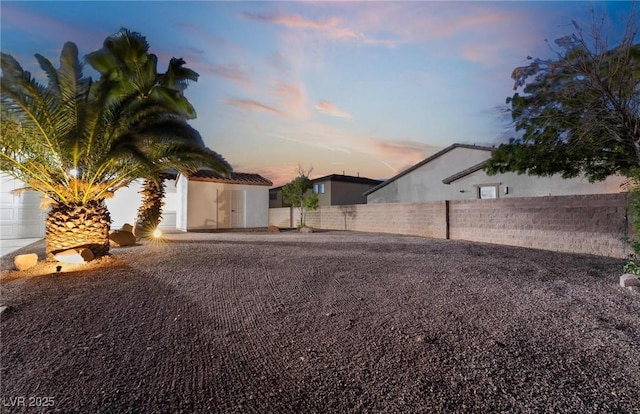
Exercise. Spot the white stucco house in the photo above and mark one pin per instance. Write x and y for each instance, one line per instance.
(203, 201)
(209, 201)
(456, 173)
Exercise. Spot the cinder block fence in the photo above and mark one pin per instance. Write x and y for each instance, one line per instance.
(593, 224)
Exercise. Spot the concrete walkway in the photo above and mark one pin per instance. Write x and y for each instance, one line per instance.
(10, 246)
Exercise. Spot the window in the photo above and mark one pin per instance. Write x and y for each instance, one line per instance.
(273, 196)
(318, 188)
(487, 191)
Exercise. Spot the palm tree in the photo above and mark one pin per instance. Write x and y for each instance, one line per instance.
(77, 142)
(125, 59)
(187, 158)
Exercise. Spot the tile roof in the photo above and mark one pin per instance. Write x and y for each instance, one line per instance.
(233, 178)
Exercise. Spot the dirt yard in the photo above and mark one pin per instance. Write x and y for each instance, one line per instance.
(330, 322)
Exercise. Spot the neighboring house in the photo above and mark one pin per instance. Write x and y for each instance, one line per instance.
(276, 199)
(332, 190)
(456, 173)
(209, 201)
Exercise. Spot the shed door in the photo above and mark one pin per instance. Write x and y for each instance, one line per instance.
(237, 209)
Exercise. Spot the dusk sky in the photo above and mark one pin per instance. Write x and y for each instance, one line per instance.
(365, 88)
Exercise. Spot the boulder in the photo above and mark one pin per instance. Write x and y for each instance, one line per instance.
(81, 255)
(122, 238)
(273, 229)
(628, 280)
(25, 261)
(306, 229)
(127, 227)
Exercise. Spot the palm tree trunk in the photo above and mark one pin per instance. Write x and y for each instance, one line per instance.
(150, 211)
(71, 225)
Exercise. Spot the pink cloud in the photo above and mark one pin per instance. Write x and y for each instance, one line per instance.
(289, 101)
(230, 71)
(206, 39)
(398, 153)
(290, 92)
(328, 108)
(292, 98)
(483, 33)
(252, 106)
(291, 21)
(421, 21)
(278, 174)
(330, 27)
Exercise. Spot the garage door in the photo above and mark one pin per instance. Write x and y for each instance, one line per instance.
(20, 214)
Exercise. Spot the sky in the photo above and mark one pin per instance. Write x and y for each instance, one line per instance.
(361, 88)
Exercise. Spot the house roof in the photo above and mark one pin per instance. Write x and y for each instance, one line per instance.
(427, 160)
(341, 178)
(466, 172)
(347, 179)
(233, 178)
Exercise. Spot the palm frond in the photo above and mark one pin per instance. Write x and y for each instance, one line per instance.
(177, 76)
(131, 123)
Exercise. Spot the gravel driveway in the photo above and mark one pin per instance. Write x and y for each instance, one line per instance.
(331, 322)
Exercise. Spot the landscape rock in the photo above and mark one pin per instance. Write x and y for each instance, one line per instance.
(122, 238)
(628, 280)
(25, 261)
(127, 227)
(494, 338)
(81, 255)
(306, 229)
(273, 229)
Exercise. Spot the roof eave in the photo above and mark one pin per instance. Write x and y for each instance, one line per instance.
(466, 172)
(229, 181)
(425, 161)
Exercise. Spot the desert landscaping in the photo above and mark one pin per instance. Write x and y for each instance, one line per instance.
(321, 322)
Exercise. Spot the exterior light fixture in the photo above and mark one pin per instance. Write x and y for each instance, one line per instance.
(157, 233)
(74, 172)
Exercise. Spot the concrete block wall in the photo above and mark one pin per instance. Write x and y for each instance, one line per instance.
(280, 217)
(416, 219)
(592, 224)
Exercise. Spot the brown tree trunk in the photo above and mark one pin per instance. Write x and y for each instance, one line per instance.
(70, 226)
(150, 211)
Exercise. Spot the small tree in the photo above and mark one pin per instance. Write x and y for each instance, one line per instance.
(296, 194)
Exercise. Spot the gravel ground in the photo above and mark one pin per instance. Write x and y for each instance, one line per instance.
(325, 322)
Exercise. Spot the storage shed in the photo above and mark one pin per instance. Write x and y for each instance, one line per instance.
(210, 201)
